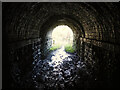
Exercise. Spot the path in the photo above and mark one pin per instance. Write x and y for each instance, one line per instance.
(59, 70)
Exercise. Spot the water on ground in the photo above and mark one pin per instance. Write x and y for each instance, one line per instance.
(60, 70)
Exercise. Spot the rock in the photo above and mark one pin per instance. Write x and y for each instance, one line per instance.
(58, 70)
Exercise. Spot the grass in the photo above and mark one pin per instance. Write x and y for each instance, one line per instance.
(69, 49)
(53, 48)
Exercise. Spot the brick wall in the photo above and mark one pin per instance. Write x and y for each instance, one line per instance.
(97, 35)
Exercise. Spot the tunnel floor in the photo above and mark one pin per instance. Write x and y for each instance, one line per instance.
(60, 70)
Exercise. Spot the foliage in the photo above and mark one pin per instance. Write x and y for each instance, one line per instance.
(55, 47)
(69, 49)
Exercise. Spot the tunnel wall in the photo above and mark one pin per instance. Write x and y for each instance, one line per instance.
(20, 62)
(101, 24)
(98, 45)
(102, 63)
(46, 44)
(16, 65)
(36, 47)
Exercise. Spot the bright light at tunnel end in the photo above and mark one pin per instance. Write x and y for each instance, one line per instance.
(62, 35)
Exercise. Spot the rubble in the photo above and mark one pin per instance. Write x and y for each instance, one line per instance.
(59, 70)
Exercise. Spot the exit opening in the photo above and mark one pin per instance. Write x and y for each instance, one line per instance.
(62, 37)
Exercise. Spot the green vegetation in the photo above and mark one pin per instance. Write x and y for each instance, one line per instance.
(55, 47)
(69, 49)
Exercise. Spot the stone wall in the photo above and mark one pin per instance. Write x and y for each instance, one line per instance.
(95, 26)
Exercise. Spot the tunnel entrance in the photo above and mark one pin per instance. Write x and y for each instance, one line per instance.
(31, 61)
(61, 64)
(62, 37)
(62, 31)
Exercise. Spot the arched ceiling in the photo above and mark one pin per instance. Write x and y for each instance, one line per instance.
(99, 21)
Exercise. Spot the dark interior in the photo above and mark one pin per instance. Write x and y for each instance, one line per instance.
(96, 28)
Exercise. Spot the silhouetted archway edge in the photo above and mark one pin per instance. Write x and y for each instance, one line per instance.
(68, 20)
(54, 21)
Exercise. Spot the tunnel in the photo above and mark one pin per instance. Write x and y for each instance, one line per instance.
(29, 62)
